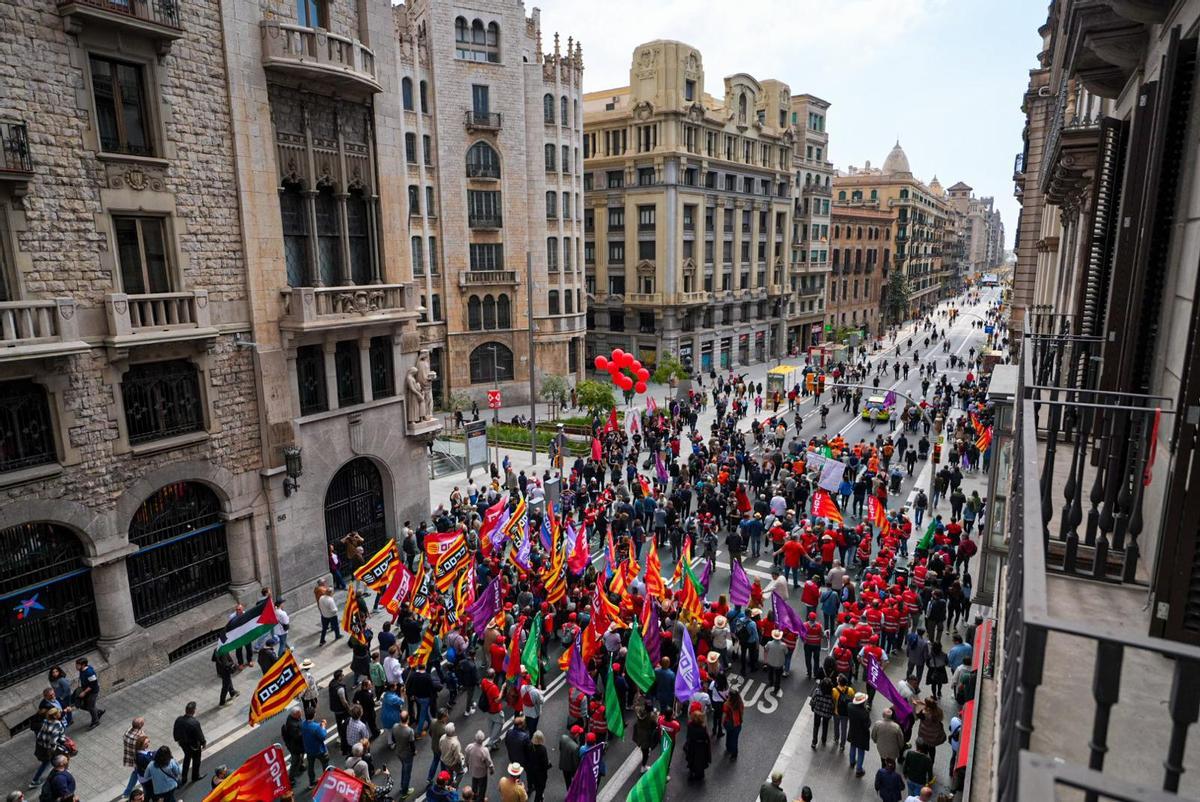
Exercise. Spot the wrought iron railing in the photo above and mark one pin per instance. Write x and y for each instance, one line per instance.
(14, 148)
(483, 120)
(159, 12)
(1093, 426)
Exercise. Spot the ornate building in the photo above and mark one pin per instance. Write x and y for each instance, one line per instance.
(810, 265)
(689, 213)
(861, 262)
(919, 215)
(492, 129)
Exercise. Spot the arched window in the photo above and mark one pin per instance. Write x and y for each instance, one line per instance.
(491, 362)
(474, 313)
(407, 92)
(460, 30)
(489, 312)
(476, 43)
(859, 233)
(503, 313)
(46, 562)
(483, 161)
(424, 91)
(548, 108)
(552, 302)
(563, 111)
(329, 237)
(742, 108)
(478, 36)
(575, 110)
(552, 253)
(551, 205)
(182, 560)
(493, 41)
(874, 194)
(842, 195)
(354, 502)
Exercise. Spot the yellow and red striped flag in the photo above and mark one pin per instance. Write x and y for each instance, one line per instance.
(282, 683)
(263, 776)
(377, 572)
(823, 506)
(655, 587)
(354, 617)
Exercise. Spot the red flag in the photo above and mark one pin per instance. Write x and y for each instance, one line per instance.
(654, 581)
(263, 776)
(823, 506)
(579, 559)
(491, 517)
(612, 424)
(398, 590)
(876, 514)
(512, 666)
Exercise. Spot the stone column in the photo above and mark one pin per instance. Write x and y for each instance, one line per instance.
(314, 249)
(331, 392)
(239, 540)
(114, 604)
(364, 363)
(344, 240)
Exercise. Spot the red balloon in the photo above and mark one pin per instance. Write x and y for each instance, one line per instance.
(601, 363)
(643, 374)
(617, 354)
(640, 387)
(626, 360)
(636, 366)
(626, 383)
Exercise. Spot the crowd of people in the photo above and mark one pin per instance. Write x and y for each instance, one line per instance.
(871, 577)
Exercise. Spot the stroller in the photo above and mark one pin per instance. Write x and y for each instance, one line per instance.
(923, 451)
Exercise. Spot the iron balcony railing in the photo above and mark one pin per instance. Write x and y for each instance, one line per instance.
(483, 120)
(14, 148)
(1062, 423)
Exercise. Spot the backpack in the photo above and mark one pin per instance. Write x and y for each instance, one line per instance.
(741, 631)
(964, 691)
(47, 793)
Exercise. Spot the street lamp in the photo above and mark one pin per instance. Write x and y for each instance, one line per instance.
(294, 469)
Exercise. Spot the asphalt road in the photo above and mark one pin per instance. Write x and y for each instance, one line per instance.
(769, 719)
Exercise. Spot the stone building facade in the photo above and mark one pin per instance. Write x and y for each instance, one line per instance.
(130, 449)
(492, 129)
(689, 210)
(810, 257)
(861, 259)
(920, 216)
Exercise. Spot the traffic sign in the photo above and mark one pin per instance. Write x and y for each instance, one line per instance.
(493, 399)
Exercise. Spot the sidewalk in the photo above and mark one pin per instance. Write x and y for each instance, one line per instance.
(159, 699)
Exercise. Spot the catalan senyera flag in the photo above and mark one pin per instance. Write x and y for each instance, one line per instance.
(354, 617)
(693, 594)
(823, 506)
(985, 440)
(423, 590)
(263, 776)
(376, 572)
(421, 655)
(554, 576)
(655, 587)
(979, 427)
(447, 554)
(685, 557)
(876, 514)
(282, 683)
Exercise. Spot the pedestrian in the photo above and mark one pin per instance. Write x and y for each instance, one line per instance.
(888, 782)
(450, 753)
(479, 764)
(511, 787)
(917, 649)
(858, 733)
(822, 705)
(292, 735)
(51, 741)
(129, 751)
(843, 695)
(165, 775)
(936, 677)
(267, 656)
(283, 623)
(538, 767)
(339, 705)
(918, 769)
(190, 737)
(365, 697)
(61, 783)
(568, 752)
(931, 731)
(772, 790)
(315, 750)
(775, 655)
(88, 693)
(226, 668)
(697, 746)
(888, 737)
(734, 710)
(404, 741)
(516, 742)
(357, 730)
(328, 608)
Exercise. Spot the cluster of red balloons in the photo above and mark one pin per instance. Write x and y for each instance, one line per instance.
(617, 362)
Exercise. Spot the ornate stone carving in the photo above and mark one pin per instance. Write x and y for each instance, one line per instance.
(419, 390)
(644, 110)
(645, 62)
(693, 65)
(363, 301)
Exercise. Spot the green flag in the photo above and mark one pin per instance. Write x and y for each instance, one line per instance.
(612, 706)
(529, 655)
(927, 539)
(637, 661)
(652, 786)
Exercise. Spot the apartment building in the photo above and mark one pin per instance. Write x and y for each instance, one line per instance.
(688, 209)
(809, 262)
(860, 264)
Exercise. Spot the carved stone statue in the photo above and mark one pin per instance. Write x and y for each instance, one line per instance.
(415, 396)
(427, 377)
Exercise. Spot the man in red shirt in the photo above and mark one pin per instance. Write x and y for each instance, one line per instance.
(812, 645)
(490, 703)
(791, 551)
(811, 595)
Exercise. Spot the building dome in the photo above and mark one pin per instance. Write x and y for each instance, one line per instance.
(935, 187)
(896, 162)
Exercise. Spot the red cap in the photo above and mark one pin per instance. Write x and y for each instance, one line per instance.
(577, 730)
(444, 777)
(812, 616)
(591, 737)
(616, 666)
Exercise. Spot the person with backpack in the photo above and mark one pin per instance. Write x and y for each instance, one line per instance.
(964, 683)
(935, 616)
(165, 775)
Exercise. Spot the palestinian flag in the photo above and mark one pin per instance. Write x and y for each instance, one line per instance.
(655, 588)
(376, 572)
(244, 629)
(354, 617)
(258, 778)
(823, 506)
(282, 683)
(652, 786)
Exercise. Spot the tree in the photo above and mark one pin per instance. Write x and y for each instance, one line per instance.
(595, 396)
(895, 306)
(458, 402)
(554, 389)
(668, 366)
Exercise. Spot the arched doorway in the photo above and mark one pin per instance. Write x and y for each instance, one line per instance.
(182, 559)
(43, 565)
(354, 503)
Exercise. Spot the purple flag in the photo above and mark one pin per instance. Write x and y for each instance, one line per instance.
(486, 605)
(569, 535)
(889, 400)
(785, 616)
(661, 469)
(497, 535)
(586, 782)
(653, 636)
(706, 575)
(577, 673)
(739, 585)
(880, 682)
(687, 676)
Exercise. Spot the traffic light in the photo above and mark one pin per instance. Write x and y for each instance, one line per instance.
(937, 453)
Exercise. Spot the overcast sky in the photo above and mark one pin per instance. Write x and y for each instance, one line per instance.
(945, 76)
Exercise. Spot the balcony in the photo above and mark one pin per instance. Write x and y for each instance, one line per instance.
(486, 278)
(308, 309)
(643, 299)
(483, 120)
(314, 55)
(485, 221)
(1019, 167)
(819, 190)
(35, 329)
(156, 20)
(693, 297)
(1065, 515)
(16, 163)
(1069, 159)
(155, 318)
(483, 171)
